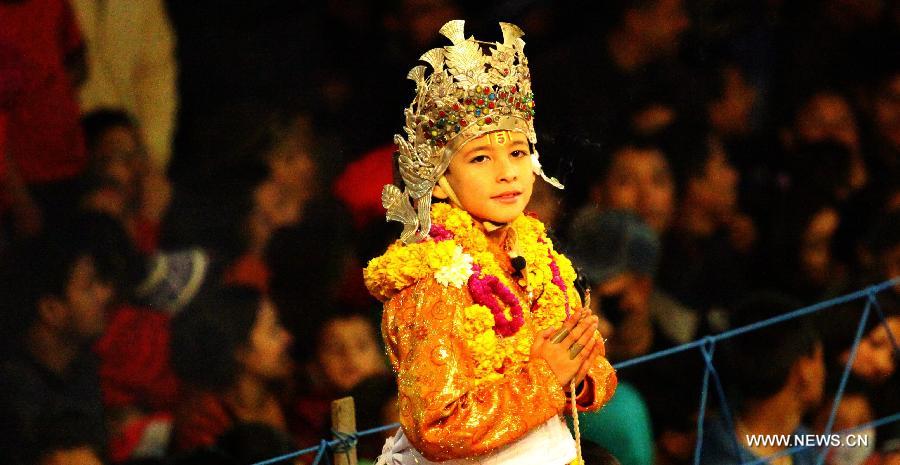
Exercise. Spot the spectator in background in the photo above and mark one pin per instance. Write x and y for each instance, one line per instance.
(730, 103)
(54, 303)
(880, 257)
(875, 365)
(44, 143)
(884, 115)
(293, 162)
(121, 180)
(342, 350)
(802, 245)
(628, 81)
(707, 252)
(230, 351)
(777, 375)
(131, 65)
(618, 255)
(63, 440)
(827, 115)
(637, 178)
(854, 409)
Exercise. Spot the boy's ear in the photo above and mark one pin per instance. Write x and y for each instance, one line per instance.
(52, 311)
(439, 192)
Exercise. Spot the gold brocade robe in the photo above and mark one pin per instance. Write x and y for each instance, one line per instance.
(443, 411)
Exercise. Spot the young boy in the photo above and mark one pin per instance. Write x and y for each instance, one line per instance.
(474, 292)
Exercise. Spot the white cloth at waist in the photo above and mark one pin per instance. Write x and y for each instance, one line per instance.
(548, 444)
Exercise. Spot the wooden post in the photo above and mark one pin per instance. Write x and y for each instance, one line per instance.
(343, 420)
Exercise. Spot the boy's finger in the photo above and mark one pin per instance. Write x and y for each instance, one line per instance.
(587, 325)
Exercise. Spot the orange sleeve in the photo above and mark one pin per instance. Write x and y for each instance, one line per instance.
(443, 412)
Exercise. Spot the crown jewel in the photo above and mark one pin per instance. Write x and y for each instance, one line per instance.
(469, 93)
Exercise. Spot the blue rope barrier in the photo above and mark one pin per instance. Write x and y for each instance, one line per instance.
(860, 330)
(760, 324)
(704, 394)
(324, 445)
(706, 345)
(723, 401)
(890, 333)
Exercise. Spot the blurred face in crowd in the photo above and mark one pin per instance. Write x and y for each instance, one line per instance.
(854, 410)
(348, 352)
(119, 156)
(77, 456)
(640, 180)
(291, 162)
(79, 314)
(266, 354)
(659, 25)
(730, 115)
(622, 303)
(274, 208)
(828, 116)
(875, 361)
(715, 190)
(887, 112)
(815, 252)
(811, 370)
(492, 176)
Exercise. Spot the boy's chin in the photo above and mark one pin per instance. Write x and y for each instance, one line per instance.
(500, 218)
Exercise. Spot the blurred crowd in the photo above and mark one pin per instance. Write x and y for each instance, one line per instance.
(189, 192)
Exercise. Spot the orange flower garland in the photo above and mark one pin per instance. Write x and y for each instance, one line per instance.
(460, 242)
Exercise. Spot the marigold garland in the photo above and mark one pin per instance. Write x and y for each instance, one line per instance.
(494, 325)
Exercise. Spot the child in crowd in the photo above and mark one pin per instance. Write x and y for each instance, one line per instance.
(230, 351)
(341, 350)
(474, 291)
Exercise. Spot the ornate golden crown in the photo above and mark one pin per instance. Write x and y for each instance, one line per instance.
(468, 94)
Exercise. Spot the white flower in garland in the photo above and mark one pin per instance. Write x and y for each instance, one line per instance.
(457, 272)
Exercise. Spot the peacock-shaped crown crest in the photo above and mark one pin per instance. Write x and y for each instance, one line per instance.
(470, 92)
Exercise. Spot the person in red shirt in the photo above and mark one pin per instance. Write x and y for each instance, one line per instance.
(44, 143)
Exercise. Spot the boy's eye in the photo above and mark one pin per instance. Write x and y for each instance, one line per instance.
(518, 153)
(478, 159)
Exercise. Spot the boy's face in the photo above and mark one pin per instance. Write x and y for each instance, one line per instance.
(492, 176)
(640, 181)
(716, 189)
(119, 155)
(267, 353)
(348, 352)
(86, 299)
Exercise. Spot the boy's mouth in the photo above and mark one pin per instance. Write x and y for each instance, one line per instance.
(507, 197)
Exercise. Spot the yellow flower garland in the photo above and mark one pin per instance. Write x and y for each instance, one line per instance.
(403, 265)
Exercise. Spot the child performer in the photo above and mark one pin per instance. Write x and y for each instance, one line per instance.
(474, 293)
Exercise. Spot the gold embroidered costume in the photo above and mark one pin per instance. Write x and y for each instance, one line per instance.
(450, 406)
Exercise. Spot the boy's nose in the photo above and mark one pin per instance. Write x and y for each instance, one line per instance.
(506, 171)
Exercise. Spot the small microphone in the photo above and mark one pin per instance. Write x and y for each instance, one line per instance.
(518, 264)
